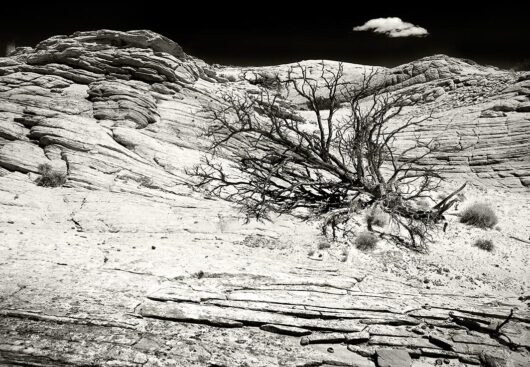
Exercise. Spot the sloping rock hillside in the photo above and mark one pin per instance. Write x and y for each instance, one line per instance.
(125, 266)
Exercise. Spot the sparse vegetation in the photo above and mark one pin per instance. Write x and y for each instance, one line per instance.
(376, 217)
(50, 177)
(366, 241)
(484, 244)
(479, 215)
(345, 253)
(316, 168)
(324, 244)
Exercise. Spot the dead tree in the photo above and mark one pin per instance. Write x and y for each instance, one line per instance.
(282, 163)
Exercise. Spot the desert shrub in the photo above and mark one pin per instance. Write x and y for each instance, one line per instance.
(323, 103)
(320, 164)
(483, 244)
(345, 254)
(49, 177)
(376, 217)
(366, 241)
(479, 215)
(324, 244)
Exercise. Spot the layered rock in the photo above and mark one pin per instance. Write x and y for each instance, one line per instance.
(119, 106)
(479, 114)
(81, 99)
(125, 266)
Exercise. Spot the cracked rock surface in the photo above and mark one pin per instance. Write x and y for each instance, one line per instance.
(125, 266)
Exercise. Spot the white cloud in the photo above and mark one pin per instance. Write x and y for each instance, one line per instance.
(393, 27)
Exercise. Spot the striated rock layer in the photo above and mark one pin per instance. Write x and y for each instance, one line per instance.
(482, 111)
(109, 107)
(125, 266)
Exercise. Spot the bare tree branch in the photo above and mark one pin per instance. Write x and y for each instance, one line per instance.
(281, 163)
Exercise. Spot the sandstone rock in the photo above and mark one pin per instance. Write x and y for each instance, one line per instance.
(491, 360)
(440, 341)
(355, 338)
(286, 330)
(118, 101)
(506, 106)
(120, 112)
(393, 358)
(26, 157)
(323, 338)
(523, 107)
(492, 114)
(140, 38)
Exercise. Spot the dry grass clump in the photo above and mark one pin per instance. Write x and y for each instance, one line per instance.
(49, 177)
(483, 244)
(366, 241)
(479, 215)
(345, 254)
(376, 217)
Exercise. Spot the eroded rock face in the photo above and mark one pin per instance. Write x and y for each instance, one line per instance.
(122, 106)
(393, 358)
(110, 277)
(81, 99)
(479, 110)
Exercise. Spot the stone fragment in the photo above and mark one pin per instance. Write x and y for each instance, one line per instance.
(285, 330)
(393, 358)
(492, 360)
(323, 338)
(492, 114)
(355, 338)
(470, 339)
(438, 353)
(469, 360)
(505, 106)
(441, 342)
(363, 350)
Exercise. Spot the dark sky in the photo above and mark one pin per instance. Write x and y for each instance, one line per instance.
(264, 33)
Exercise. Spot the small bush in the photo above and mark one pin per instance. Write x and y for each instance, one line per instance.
(49, 177)
(324, 244)
(376, 217)
(345, 254)
(366, 241)
(479, 215)
(486, 245)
